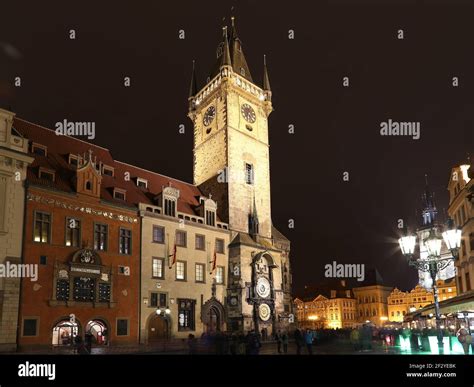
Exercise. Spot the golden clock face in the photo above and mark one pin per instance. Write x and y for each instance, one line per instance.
(264, 312)
(248, 113)
(209, 115)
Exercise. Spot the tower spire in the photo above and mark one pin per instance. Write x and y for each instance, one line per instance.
(226, 61)
(429, 211)
(266, 80)
(193, 85)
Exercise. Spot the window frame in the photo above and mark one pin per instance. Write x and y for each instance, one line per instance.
(153, 234)
(223, 275)
(68, 219)
(203, 265)
(107, 236)
(185, 238)
(162, 267)
(116, 326)
(204, 242)
(130, 238)
(185, 274)
(223, 245)
(37, 319)
(50, 229)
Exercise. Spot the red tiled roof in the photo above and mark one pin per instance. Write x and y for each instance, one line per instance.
(57, 159)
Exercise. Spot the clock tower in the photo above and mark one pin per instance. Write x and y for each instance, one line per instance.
(231, 162)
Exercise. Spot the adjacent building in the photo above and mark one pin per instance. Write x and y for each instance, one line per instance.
(334, 307)
(401, 303)
(14, 160)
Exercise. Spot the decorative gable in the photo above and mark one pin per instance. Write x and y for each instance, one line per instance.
(88, 178)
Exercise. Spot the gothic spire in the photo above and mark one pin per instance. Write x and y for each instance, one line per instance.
(239, 63)
(429, 207)
(266, 80)
(225, 58)
(193, 85)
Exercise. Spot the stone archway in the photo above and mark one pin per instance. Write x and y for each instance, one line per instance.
(213, 316)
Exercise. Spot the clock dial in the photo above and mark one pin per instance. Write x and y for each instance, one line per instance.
(263, 287)
(248, 113)
(209, 115)
(264, 312)
(233, 301)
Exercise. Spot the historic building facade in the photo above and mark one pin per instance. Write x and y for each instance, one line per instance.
(461, 210)
(401, 303)
(83, 233)
(334, 307)
(231, 162)
(14, 160)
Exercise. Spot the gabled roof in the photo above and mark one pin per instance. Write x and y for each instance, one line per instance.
(57, 159)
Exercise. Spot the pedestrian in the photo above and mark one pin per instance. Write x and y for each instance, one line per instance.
(298, 340)
(192, 344)
(278, 340)
(355, 339)
(308, 339)
(253, 343)
(284, 341)
(465, 339)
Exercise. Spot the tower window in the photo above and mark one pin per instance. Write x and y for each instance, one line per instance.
(249, 173)
(210, 218)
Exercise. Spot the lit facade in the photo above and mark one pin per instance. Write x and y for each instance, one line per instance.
(372, 303)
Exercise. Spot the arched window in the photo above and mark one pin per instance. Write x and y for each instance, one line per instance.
(88, 185)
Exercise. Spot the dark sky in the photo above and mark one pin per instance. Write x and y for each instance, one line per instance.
(337, 128)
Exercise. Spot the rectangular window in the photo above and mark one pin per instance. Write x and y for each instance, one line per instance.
(142, 183)
(186, 318)
(180, 238)
(119, 194)
(249, 173)
(39, 149)
(84, 289)
(125, 245)
(181, 271)
(42, 229)
(219, 275)
(220, 246)
(468, 282)
(170, 207)
(104, 292)
(158, 234)
(200, 243)
(30, 327)
(62, 290)
(157, 268)
(158, 300)
(100, 236)
(109, 171)
(199, 272)
(46, 175)
(122, 327)
(73, 232)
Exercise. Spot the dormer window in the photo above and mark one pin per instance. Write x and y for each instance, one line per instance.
(119, 194)
(46, 174)
(170, 200)
(142, 183)
(170, 207)
(106, 170)
(73, 160)
(39, 149)
(210, 218)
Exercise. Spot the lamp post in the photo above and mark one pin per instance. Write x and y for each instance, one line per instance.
(434, 263)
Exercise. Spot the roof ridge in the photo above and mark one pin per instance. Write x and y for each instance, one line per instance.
(156, 173)
(64, 135)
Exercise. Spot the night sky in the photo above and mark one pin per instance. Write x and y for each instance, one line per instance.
(337, 129)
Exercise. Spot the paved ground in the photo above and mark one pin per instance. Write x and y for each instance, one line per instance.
(268, 348)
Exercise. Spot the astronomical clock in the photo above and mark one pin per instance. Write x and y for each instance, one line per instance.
(263, 294)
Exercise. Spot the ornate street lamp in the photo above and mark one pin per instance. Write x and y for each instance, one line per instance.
(434, 263)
